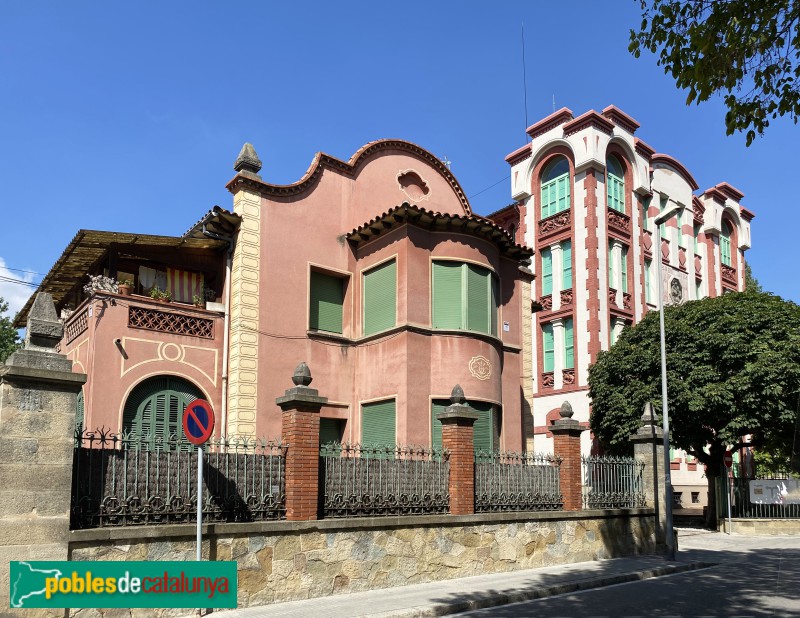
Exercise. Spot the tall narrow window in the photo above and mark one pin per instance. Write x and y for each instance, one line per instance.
(447, 295)
(569, 345)
(548, 348)
(566, 265)
(648, 281)
(623, 271)
(485, 436)
(696, 230)
(380, 298)
(662, 229)
(326, 299)
(645, 207)
(615, 179)
(725, 243)
(611, 280)
(698, 289)
(547, 272)
(681, 235)
(555, 187)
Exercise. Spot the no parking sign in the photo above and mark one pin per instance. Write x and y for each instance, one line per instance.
(198, 422)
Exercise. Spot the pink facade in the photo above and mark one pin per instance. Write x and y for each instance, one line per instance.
(392, 203)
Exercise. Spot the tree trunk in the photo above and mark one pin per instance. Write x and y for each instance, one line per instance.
(711, 510)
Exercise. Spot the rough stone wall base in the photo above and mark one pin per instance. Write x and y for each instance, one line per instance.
(762, 527)
(285, 561)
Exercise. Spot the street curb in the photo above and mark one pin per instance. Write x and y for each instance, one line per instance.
(498, 598)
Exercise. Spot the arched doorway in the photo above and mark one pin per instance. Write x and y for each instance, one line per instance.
(153, 412)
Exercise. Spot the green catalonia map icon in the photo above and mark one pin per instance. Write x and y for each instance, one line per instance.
(29, 582)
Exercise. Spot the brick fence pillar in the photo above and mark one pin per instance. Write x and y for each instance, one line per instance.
(567, 445)
(648, 448)
(457, 437)
(300, 434)
(38, 397)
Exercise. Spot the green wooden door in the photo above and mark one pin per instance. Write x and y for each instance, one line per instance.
(154, 411)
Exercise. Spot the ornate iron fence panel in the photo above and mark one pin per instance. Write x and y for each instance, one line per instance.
(366, 481)
(612, 483)
(509, 481)
(768, 495)
(121, 480)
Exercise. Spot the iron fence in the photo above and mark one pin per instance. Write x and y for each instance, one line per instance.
(613, 483)
(363, 481)
(125, 480)
(509, 481)
(774, 495)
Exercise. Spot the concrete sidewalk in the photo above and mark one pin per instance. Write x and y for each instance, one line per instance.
(457, 595)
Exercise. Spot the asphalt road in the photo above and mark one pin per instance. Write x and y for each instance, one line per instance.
(754, 576)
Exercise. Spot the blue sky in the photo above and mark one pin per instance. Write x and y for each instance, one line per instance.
(129, 116)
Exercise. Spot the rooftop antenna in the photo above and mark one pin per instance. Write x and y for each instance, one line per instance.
(447, 162)
(524, 77)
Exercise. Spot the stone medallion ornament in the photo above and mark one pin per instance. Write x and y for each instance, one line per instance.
(480, 367)
(675, 291)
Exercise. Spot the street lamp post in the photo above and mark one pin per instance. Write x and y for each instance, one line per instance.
(670, 534)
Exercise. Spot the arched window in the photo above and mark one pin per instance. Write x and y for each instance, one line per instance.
(615, 181)
(555, 187)
(725, 243)
(154, 409)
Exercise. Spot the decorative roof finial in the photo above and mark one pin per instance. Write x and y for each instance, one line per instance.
(302, 375)
(566, 410)
(457, 396)
(248, 160)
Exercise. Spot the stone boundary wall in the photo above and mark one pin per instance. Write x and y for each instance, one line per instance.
(285, 561)
(762, 527)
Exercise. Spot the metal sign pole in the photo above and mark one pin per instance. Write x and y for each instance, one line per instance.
(729, 485)
(199, 502)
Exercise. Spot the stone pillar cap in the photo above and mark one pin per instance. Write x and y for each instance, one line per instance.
(458, 408)
(301, 393)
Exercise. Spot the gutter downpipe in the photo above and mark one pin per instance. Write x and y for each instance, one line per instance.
(226, 327)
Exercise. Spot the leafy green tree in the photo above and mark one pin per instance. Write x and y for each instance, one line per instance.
(9, 339)
(748, 51)
(751, 284)
(733, 370)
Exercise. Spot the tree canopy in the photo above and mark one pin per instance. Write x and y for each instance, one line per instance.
(733, 369)
(9, 339)
(748, 51)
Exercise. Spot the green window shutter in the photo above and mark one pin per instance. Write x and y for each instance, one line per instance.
(725, 244)
(378, 423)
(613, 334)
(437, 406)
(548, 348)
(380, 298)
(662, 229)
(616, 193)
(478, 299)
(547, 272)
(698, 289)
(569, 345)
(624, 269)
(548, 198)
(495, 303)
(154, 410)
(327, 299)
(566, 264)
(648, 281)
(611, 282)
(645, 208)
(79, 412)
(447, 295)
(563, 193)
(483, 429)
(330, 430)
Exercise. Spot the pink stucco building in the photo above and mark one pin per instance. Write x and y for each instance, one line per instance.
(374, 271)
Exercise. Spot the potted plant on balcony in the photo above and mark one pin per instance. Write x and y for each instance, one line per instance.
(126, 287)
(198, 300)
(162, 296)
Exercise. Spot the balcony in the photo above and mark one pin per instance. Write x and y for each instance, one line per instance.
(729, 275)
(619, 222)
